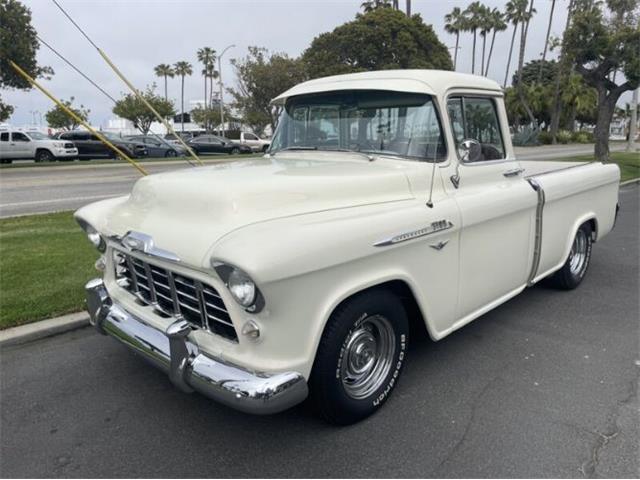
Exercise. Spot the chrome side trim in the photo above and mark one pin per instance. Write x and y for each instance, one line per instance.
(189, 368)
(537, 247)
(435, 227)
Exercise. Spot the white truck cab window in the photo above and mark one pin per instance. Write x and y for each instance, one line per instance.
(476, 118)
(20, 137)
(4, 137)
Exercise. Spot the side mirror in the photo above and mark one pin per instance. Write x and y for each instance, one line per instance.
(470, 150)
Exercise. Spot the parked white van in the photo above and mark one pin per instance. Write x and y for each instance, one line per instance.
(17, 145)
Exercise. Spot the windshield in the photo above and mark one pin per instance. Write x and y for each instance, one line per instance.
(389, 123)
(38, 136)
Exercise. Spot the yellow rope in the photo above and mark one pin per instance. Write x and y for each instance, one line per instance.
(73, 115)
(144, 100)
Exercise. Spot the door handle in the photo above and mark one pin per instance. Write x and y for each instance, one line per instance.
(513, 173)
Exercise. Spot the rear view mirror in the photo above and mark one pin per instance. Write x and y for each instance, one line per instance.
(470, 150)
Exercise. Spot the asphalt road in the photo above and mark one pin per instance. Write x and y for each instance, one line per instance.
(48, 189)
(544, 386)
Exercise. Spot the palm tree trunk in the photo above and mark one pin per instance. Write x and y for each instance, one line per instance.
(555, 113)
(166, 97)
(455, 54)
(546, 41)
(519, 87)
(205, 93)
(493, 39)
(484, 44)
(408, 8)
(513, 39)
(182, 103)
(473, 57)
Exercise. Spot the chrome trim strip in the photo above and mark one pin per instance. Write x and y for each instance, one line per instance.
(189, 368)
(435, 227)
(537, 247)
(137, 241)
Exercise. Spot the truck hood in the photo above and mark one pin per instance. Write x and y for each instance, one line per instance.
(187, 211)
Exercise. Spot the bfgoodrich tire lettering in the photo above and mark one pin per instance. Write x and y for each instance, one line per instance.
(360, 357)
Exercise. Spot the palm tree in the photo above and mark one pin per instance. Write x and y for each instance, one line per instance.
(472, 14)
(485, 23)
(206, 56)
(497, 25)
(182, 69)
(524, 30)
(454, 24)
(408, 8)
(546, 40)
(164, 70)
(211, 73)
(515, 13)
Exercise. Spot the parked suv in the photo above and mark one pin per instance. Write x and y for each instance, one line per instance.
(89, 146)
(15, 145)
(205, 144)
(251, 140)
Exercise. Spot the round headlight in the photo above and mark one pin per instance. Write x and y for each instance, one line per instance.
(242, 288)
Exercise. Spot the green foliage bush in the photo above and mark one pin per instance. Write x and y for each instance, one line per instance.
(582, 137)
(563, 137)
(544, 138)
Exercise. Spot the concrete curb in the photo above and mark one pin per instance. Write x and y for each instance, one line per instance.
(629, 182)
(43, 329)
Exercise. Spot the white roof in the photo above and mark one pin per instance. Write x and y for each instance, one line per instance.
(432, 82)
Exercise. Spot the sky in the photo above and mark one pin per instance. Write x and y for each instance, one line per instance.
(139, 34)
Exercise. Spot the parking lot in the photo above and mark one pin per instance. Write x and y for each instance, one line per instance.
(543, 386)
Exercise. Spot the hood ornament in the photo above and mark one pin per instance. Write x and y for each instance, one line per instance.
(141, 242)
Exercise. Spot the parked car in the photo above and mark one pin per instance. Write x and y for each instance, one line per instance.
(258, 282)
(18, 145)
(251, 140)
(156, 147)
(90, 146)
(208, 144)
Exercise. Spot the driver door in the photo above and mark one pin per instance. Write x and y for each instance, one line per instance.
(497, 206)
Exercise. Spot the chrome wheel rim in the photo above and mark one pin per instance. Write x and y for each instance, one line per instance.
(578, 254)
(367, 357)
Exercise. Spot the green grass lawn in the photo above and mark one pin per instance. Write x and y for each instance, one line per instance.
(628, 162)
(45, 260)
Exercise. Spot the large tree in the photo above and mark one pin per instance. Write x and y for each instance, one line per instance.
(379, 40)
(515, 13)
(133, 108)
(207, 56)
(454, 24)
(58, 118)
(18, 42)
(164, 71)
(603, 39)
(182, 69)
(262, 76)
(497, 25)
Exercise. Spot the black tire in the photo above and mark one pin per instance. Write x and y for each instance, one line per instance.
(332, 390)
(170, 153)
(44, 156)
(6, 160)
(235, 151)
(265, 148)
(575, 268)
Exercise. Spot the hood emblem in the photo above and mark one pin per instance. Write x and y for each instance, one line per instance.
(142, 242)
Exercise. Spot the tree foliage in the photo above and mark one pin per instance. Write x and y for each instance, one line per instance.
(209, 117)
(18, 42)
(381, 39)
(132, 108)
(261, 77)
(58, 118)
(603, 39)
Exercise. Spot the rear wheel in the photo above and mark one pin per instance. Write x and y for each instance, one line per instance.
(235, 151)
(360, 357)
(575, 268)
(44, 156)
(170, 153)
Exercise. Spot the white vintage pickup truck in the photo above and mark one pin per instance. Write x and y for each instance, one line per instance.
(386, 198)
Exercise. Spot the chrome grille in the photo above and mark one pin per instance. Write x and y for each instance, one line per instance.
(173, 294)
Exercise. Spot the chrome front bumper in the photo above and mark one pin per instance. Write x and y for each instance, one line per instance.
(188, 368)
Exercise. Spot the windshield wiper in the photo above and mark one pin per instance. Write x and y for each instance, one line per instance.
(295, 148)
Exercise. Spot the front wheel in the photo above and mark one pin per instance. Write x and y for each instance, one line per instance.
(44, 156)
(360, 357)
(170, 153)
(235, 151)
(575, 268)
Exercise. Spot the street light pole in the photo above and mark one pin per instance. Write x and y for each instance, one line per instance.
(220, 83)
